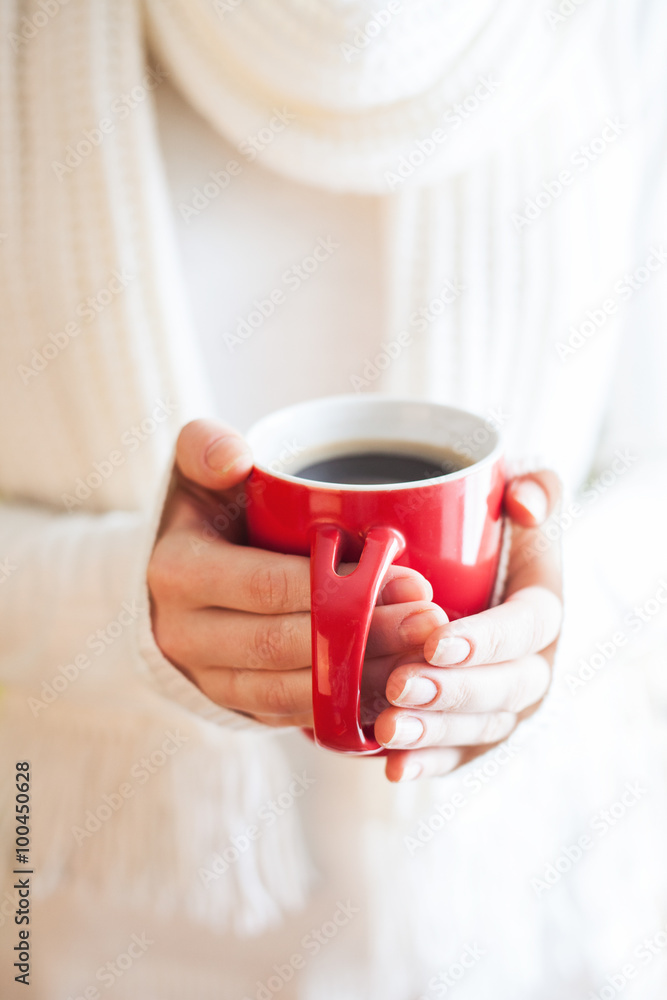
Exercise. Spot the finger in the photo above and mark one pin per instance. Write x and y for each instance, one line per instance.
(376, 672)
(247, 579)
(402, 585)
(240, 577)
(286, 694)
(218, 637)
(378, 669)
(509, 687)
(431, 762)
(527, 622)
(302, 720)
(531, 499)
(398, 728)
(212, 455)
(396, 628)
(283, 642)
(535, 557)
(407, 765)
(215, 638)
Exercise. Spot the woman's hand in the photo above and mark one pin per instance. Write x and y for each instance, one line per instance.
(479, 676)
(235, 619)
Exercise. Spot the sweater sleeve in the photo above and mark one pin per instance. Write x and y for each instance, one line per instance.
(146, 790)
(73, 595)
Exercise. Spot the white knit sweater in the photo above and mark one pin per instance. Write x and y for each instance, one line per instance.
(94, 392)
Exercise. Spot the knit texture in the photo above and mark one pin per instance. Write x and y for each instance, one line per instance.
(100, 368)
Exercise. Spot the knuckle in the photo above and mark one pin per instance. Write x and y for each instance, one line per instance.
(269, 587)
(274, 642)
(278, 696)
(490, 649)
(460, 696)
(497, 726)
(264, 642)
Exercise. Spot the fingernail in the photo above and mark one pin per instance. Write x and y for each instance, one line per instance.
(406, 589)
(223, 455)
(408, 730)
(531, 496)
(450, 650)
(411, 771)
(416, 628)
(417, 691)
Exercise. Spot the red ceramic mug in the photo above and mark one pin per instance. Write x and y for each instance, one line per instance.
(448, 528)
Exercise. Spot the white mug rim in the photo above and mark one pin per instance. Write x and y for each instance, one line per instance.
(262, 425)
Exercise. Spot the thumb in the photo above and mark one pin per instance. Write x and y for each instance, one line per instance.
(212, 455)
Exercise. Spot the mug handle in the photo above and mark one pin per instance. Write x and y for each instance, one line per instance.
(341, 611)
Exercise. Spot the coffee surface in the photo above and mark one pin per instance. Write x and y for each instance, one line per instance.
(377, 468)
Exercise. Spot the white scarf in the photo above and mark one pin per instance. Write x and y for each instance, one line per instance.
(356, 122)
(440, 106)
(366, 81)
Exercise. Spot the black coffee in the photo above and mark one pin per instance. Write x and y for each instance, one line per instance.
(376, 468)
